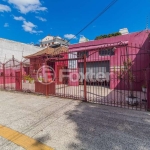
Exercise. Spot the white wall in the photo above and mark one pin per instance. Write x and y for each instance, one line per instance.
(124, 31)
(83, 39)
(9, 48)
(47, 38)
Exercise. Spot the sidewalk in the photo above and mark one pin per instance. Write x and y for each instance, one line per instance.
(72, 125)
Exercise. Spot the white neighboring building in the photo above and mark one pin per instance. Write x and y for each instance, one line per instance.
(9, 48)
(83, 39)
(47, 38)
(52, 41)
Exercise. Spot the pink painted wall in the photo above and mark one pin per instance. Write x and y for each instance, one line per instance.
(36, 63)
(9, 76)
(141, 60)
(73, 77)
(134, 38)
(1, 77)
(61, 64)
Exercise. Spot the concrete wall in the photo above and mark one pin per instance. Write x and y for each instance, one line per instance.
(9, 48)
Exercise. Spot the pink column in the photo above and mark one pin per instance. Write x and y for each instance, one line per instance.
(74, 77)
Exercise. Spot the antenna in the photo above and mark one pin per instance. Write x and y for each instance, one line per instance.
(13, 59)
(147, 23)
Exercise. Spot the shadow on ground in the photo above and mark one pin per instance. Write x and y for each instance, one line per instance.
(40, 140)
(109, 128)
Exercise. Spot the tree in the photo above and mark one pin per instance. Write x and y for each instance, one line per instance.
(107, 36)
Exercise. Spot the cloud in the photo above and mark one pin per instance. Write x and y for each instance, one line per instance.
(4, 8)
(26, 6)
(19, 18)
(30, 27)
(6, 25)
(27, 25)
(40, 18)
(70, 36)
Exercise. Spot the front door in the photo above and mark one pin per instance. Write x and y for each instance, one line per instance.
(17, 81)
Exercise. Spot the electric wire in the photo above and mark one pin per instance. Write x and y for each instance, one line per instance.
(93, 20)
(45, 118)
(100, 14)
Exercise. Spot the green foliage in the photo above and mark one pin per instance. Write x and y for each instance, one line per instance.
(107, 36)
(28, 78)
(144, 86)
(40, 79)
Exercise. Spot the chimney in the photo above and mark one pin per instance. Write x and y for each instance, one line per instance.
(124, 31)
(83, 39)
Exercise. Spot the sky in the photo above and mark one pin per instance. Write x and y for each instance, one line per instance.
(29, 21)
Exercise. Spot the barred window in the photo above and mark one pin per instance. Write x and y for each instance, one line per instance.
(81, 54)
(106, 52)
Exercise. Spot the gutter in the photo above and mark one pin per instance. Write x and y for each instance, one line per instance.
(120, 43)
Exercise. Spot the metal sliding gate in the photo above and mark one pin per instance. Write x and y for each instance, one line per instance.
(110, 76)
(12, 75)
(67, 83)
(1, 76)
(117, 77)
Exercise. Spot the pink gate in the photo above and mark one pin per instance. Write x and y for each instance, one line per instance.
(114, 76)
(1, 76)
(17, 81)
(12, 80)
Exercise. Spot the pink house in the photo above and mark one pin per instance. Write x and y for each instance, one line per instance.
(49, 56)
(107, 55)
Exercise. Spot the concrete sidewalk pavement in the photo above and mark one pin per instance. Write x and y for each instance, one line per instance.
(72, 125)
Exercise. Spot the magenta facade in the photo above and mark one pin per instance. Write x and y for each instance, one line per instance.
(37, 62)
(123, 44)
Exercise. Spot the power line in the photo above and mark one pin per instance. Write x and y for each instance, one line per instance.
(147, 23)
(100, 14)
